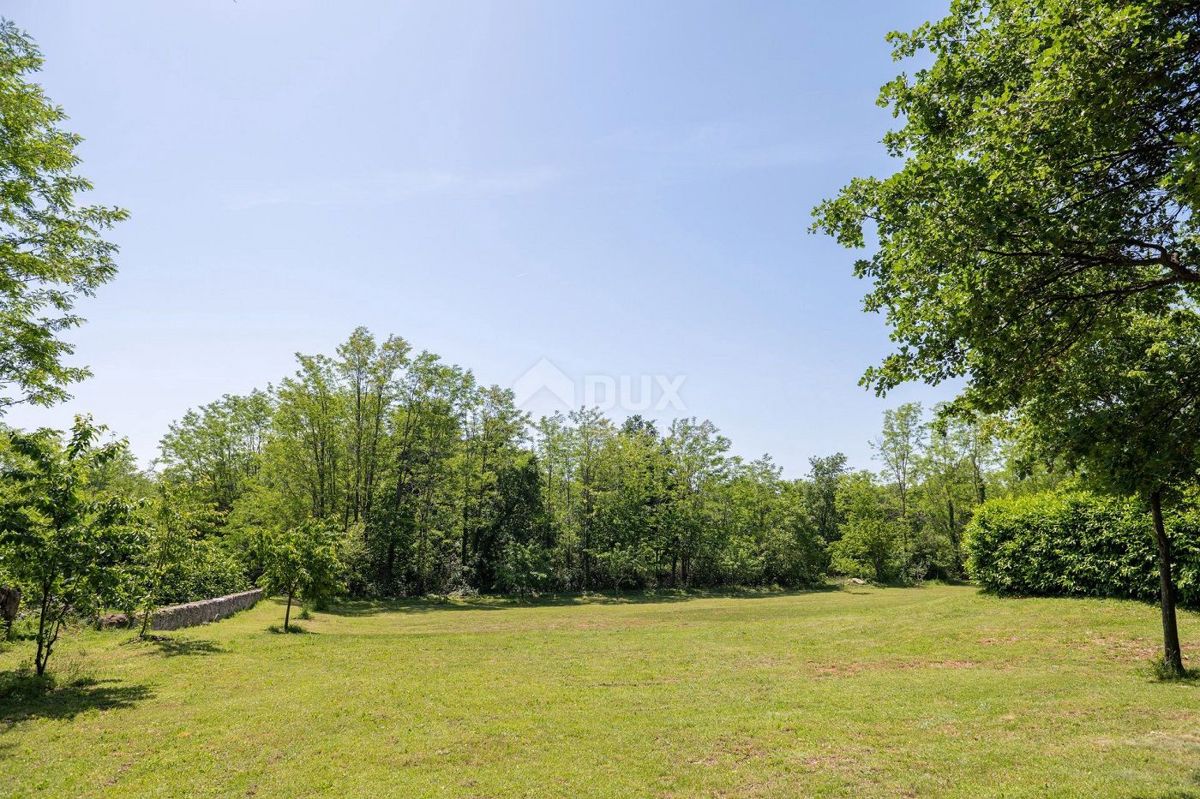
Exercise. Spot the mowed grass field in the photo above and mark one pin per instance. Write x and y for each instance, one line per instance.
(932, 691)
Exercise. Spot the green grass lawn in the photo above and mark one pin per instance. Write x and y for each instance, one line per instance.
(934, 691)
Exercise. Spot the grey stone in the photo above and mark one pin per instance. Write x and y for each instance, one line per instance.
(190, 614)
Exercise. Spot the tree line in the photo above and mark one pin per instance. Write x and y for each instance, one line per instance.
(381, 472)
(1038, 242)
(440, 484)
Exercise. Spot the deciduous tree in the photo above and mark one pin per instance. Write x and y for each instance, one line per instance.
(73, 544)
(302, 561)
(52, 249)
(1042, 222)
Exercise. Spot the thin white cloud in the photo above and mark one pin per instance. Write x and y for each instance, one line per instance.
(397, 186)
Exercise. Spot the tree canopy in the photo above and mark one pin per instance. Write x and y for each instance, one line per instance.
(1050, 170)
(1039, 238)
(51, 247)
(64, 536)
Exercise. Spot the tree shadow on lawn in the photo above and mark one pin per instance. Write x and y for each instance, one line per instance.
(26, 696)
(1157, 672)
(182, 646)
(292, 629)
(432, 604)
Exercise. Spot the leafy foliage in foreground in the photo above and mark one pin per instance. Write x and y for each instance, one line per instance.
(1078, 544)
(1043, 225)
(1050, 173)
(51, 246)
(73, 545)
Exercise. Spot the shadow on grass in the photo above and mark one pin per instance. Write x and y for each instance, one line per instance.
(171, 646)
(433, 604)
(24, 695)
(1158, 672)
(293, 629)
(850, 584)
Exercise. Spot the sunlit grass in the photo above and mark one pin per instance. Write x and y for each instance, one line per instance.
(935, 691)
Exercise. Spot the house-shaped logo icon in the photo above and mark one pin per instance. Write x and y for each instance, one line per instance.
(544, 384)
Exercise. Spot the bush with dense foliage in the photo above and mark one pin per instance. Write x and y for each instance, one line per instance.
(207, 570)
(303, 561)
(1078, 544)
(71, 546)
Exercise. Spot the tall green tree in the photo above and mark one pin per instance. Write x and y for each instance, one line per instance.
(592, 432)
(493, 432)
(309, 437)
(950, 484)
(872, 543)
(216, 450)
(514, 549)
(368, 371)
(1045, 205)
(52, 249)
(821, 489)
(699, 463)
(630, 543)
(899, 448)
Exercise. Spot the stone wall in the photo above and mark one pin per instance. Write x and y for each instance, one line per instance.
(173, 617)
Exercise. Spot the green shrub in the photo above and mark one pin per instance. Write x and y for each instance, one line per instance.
(207, 569)
(869, 548)
(524, 568)
(1078, 544)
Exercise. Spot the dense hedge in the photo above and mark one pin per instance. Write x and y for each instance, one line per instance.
(1078, 544)
(206, 570)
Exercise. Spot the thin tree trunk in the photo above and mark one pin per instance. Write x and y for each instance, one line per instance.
(287, 614)
(1172, 656)
(955, 539)
(52, 637)
(55, 630)
(980, 486)
(39, 661)
(466, 512)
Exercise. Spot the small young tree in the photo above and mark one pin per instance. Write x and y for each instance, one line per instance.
(302, 561)
(72, 544)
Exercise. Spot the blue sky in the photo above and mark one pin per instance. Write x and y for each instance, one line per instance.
(620, 188)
